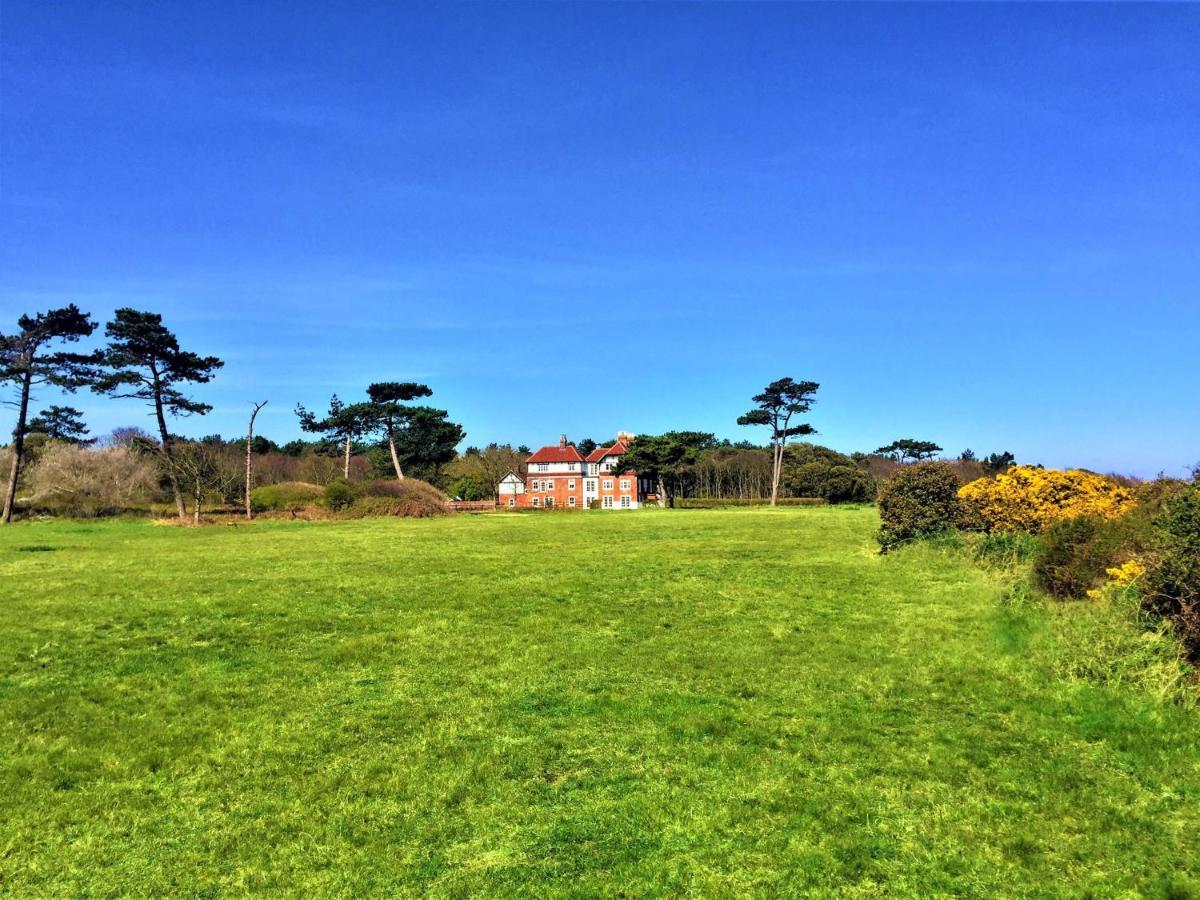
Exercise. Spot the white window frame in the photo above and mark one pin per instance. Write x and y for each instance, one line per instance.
(548, 485)
(571, 484)
(512, 501)
(607, 503)
(543, 467)
(536, 501)
(571, 500)
(549, 502)
(624, 484)
(625, 504)
(590, 485)
(607, 484)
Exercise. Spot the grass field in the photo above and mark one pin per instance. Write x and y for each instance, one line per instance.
(707, 702)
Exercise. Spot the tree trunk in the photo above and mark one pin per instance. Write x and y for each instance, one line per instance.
(249, 473)
(196, 506)
(346, 467)
(168, 451)
(18, 447)
(663, 496)
(395, 456)
(776, 462)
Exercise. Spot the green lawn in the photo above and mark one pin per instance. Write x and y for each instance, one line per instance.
(707, 702)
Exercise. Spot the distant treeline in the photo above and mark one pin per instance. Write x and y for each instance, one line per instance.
(54, 464)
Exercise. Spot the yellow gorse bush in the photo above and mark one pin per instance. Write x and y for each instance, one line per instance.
(1029, 499)
(1119, 577)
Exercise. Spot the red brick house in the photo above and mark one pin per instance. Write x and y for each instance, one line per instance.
(559, 477)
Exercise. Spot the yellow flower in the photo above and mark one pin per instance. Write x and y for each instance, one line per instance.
(1029, 499)
(1126, 573)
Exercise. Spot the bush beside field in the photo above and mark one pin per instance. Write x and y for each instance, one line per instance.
(410, 498)
(1085, 536)
(286, 495)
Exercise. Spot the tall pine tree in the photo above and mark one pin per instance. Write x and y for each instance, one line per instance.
(27, 361)
(145, 362)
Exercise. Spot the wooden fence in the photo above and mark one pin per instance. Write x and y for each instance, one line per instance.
(471, 505)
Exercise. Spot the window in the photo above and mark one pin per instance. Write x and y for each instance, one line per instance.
(571, 485)
(512, 501)
(608, 484)
(548, 485)
(624, 484)
(624, 503)
(543, 467)
(591, 468)
(571, 501)
(590, 486)
(549, 502)
(608, 502)
(536, 501)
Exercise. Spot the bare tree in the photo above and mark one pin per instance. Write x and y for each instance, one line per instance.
(78, 480)
(249, 456)
(204, 468)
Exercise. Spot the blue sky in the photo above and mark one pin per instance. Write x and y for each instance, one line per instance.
(975, 224)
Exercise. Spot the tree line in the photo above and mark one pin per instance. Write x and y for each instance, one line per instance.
(694, 464)
(143, 360)
(389, 431)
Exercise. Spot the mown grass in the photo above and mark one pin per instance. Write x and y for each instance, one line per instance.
(708, 702)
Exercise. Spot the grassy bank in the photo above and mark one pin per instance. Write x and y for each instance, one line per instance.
(712, 701)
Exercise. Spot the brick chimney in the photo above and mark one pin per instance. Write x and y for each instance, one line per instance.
(562, 441)
(625, 436)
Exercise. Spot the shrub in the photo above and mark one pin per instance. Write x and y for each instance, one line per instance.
(470, 487)
(411, 498)
(1076, 554)
(918, 501)
(1172, 580)
(339, 494)
(1029, 499)
(73, 480)
(287, 495)
(848, 484)
(813, 471)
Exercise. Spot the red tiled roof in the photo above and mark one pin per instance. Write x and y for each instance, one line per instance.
(556, 453)
(599, 453)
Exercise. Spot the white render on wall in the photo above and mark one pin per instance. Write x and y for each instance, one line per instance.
(561, 468)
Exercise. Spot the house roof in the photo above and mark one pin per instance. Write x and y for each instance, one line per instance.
(616, 449)
(511, 475)
(556, 453)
